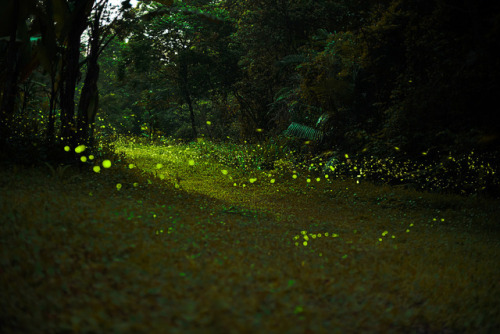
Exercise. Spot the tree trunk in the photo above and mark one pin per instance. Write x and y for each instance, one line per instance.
(50, 126)
(70, 73)
(183, 73)
(9, 90)
(191, 114)
(89, 103)
(68, 85)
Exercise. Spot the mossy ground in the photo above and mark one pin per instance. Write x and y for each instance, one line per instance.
(192, 245)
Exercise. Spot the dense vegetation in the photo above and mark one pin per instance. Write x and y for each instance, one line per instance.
(276, 166)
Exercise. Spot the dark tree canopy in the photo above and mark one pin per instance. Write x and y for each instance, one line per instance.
(420, 76)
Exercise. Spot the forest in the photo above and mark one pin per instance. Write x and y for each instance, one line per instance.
(252, 166)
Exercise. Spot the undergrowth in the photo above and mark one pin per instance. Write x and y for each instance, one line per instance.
(185, 239)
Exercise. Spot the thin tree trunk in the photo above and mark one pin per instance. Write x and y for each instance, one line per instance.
(191, 114)
(68, 85)
(70, 73)
(10, 86)
(51, 126)
(183, 72)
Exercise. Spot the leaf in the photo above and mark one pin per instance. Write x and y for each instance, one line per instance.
(303, 131)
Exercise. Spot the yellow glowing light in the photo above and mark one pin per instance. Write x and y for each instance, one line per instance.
(308, 180)
(305, 243)
(158, 166)
(66, 148)
(80, 148)
(118, 186)
(106, 163)
(83, 159)
(91, 157)
(97, 169)
(272, 180)
(252, 180)
(294, 176)
(259, 130)
(224, 171)
(209, 123)
(131, 166)
(191, 162)
(346, 156)
(384, 233)
(135, 184)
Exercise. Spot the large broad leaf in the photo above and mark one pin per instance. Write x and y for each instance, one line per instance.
(303, 131)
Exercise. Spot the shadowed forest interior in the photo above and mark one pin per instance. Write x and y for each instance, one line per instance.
(277, 166)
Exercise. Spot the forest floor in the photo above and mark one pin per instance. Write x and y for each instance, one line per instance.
(181, 244)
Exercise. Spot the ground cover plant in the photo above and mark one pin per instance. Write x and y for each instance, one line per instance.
(173, 238)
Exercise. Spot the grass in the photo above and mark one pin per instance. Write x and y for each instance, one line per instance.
(189, 244)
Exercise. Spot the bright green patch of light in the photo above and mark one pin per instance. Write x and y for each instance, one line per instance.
(106, 163)
(97, 169)
(159, 166)
(66, 148)
(224, 171)
(83, 159)
(118, 186)
(252, 180)
(191, 162)
(131, 166)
